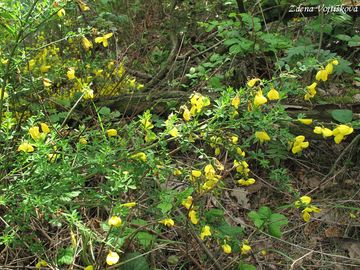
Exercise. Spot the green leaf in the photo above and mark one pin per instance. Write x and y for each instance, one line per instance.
(231, 231)
(214, 215)
(343, 37)
(145, 238)
(254, 216)
(275, 222)
(342, 116)
(104, 111)
(134, 261)
(264, 212)
(245, 266)
(65, 256)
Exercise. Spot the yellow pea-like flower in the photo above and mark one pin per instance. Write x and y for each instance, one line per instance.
(273, 94)
(167, 222)
(112, 132)
(112, 258)
(262, 136)
(115, 221)
(205, 232)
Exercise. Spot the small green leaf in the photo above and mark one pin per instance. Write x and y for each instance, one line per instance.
(145, 238)
(342, 116)
(134, 261)
(104, 111)
(343, 37)
(264, 212)
(245, 266)
(214, 215)
(254, 216)
(275, 222)
(65, 256)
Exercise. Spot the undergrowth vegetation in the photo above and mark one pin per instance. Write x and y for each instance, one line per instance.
(232, 169)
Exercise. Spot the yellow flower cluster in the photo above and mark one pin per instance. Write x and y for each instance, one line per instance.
(305, 203)
(339, 133)
(198, 102)
(321, 75)
(210, 178)
(243, 169)
(36, 135)
(299, 144)
(259, 98)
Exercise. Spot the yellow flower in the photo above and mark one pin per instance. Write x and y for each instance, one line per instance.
(5, 95)
(196, 173)
(242, 167)
(312, 88)
(111, 132)
(335, 62)
(198, 102)
(89, 267)
(41, 263)
(112, 258)
(115, 221)
(104, 39)
(226, 248)
(45, 128)
(234, 139)
(26, 147)
(235, 101)
(177, 172)
(44, 68)
(87, 44)
(245, 249)
(35, 133)
(262, 136)
(83, 141)
(70, 73)
(188, 202)
(305, 121)
(83, 6)
(252, 82)
(299, 144)
(61, 13)
(98, 72)
(209, 171)
(129, 204)
(46, 82)
(193, 217)
(304, 200)
(146, 123)
(4, 61)
(174, 132)
(140, 156)
(31, 64)
(329, 68)
(186, 114)
(240, 152)
(205, 232)
(341, 131)
(259, 99)
(167, 222)
(273, 94)
(322, 75)
(53, 157)
(217, 151)
(309, 209)
(247, 182)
